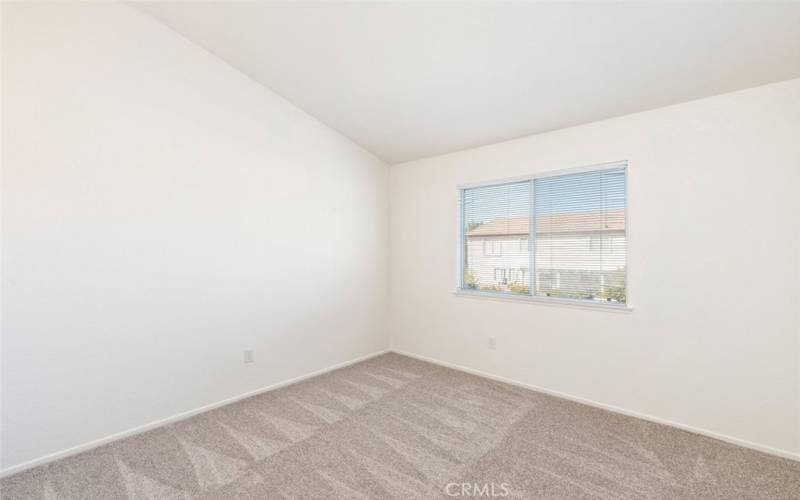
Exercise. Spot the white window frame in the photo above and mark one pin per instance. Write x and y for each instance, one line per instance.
(531, 298)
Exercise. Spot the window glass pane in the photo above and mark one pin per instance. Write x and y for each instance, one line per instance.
(581, 236)
(495, 219)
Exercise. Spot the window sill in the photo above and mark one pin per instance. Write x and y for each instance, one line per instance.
(551, 301)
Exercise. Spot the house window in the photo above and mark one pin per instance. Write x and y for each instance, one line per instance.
(595, 242)
(568, 228)
(517, 275)
(492, 248)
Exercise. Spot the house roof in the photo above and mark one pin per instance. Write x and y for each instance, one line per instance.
(554, 223)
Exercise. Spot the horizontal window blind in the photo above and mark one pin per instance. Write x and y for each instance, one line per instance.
(580, 235)
(496, 228)
(560, 236)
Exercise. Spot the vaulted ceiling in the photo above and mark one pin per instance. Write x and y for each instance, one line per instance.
(412, 80)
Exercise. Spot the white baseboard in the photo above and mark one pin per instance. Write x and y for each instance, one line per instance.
(704, 432)
(181, 416)
(175, 418)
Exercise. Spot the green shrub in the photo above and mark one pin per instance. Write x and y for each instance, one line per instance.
(470, 281)
(519, 288)
(616, 293)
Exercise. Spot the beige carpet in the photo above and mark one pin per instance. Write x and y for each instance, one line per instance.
(393, 427)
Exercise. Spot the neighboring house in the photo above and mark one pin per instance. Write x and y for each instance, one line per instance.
(584, 250)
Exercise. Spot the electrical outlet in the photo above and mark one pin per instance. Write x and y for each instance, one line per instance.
(248, 356)
(492, 343)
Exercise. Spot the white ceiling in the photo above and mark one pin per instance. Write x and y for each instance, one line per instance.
(411, 80)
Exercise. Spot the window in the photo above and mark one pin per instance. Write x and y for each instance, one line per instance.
(493, 248)
(568, 228)
(595, 242)
(517, 275)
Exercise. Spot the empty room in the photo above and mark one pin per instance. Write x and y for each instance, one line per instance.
(400, 250)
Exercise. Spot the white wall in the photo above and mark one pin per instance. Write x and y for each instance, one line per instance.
(714, 268)
(162, 213)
